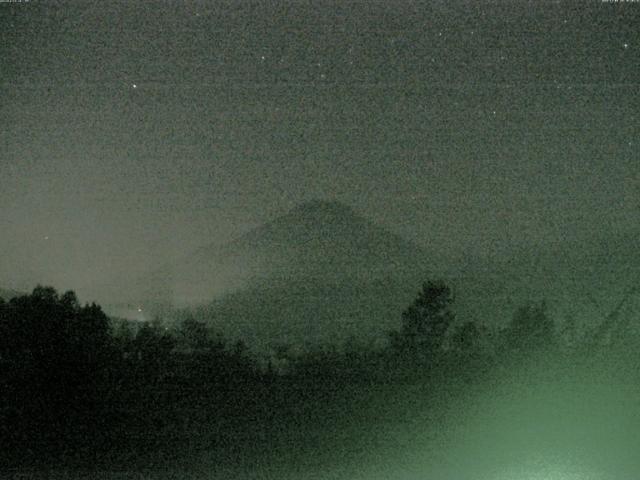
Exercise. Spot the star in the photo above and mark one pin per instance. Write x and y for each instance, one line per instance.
(626, 45)
(134, 85)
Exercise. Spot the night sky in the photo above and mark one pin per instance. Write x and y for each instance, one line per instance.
(136, 131)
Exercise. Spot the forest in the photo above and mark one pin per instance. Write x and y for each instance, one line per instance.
(80, 389)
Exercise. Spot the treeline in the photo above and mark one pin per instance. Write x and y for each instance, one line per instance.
(73, 383)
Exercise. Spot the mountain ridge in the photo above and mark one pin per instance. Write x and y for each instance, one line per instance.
(320, 263)
(310, 240)
(322, 271)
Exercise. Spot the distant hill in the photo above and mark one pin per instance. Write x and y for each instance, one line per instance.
(579, 281)
(322, 272)
(317, 273)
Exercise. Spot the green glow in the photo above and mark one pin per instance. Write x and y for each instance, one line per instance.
(546, 470)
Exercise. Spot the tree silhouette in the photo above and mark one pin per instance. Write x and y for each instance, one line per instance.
(531, 329)
(194, 335)
(54, 354)
(466, 339)
(152, 344)
(426, 321)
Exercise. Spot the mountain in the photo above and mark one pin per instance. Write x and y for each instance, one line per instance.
(320, 272)
(321, 240)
